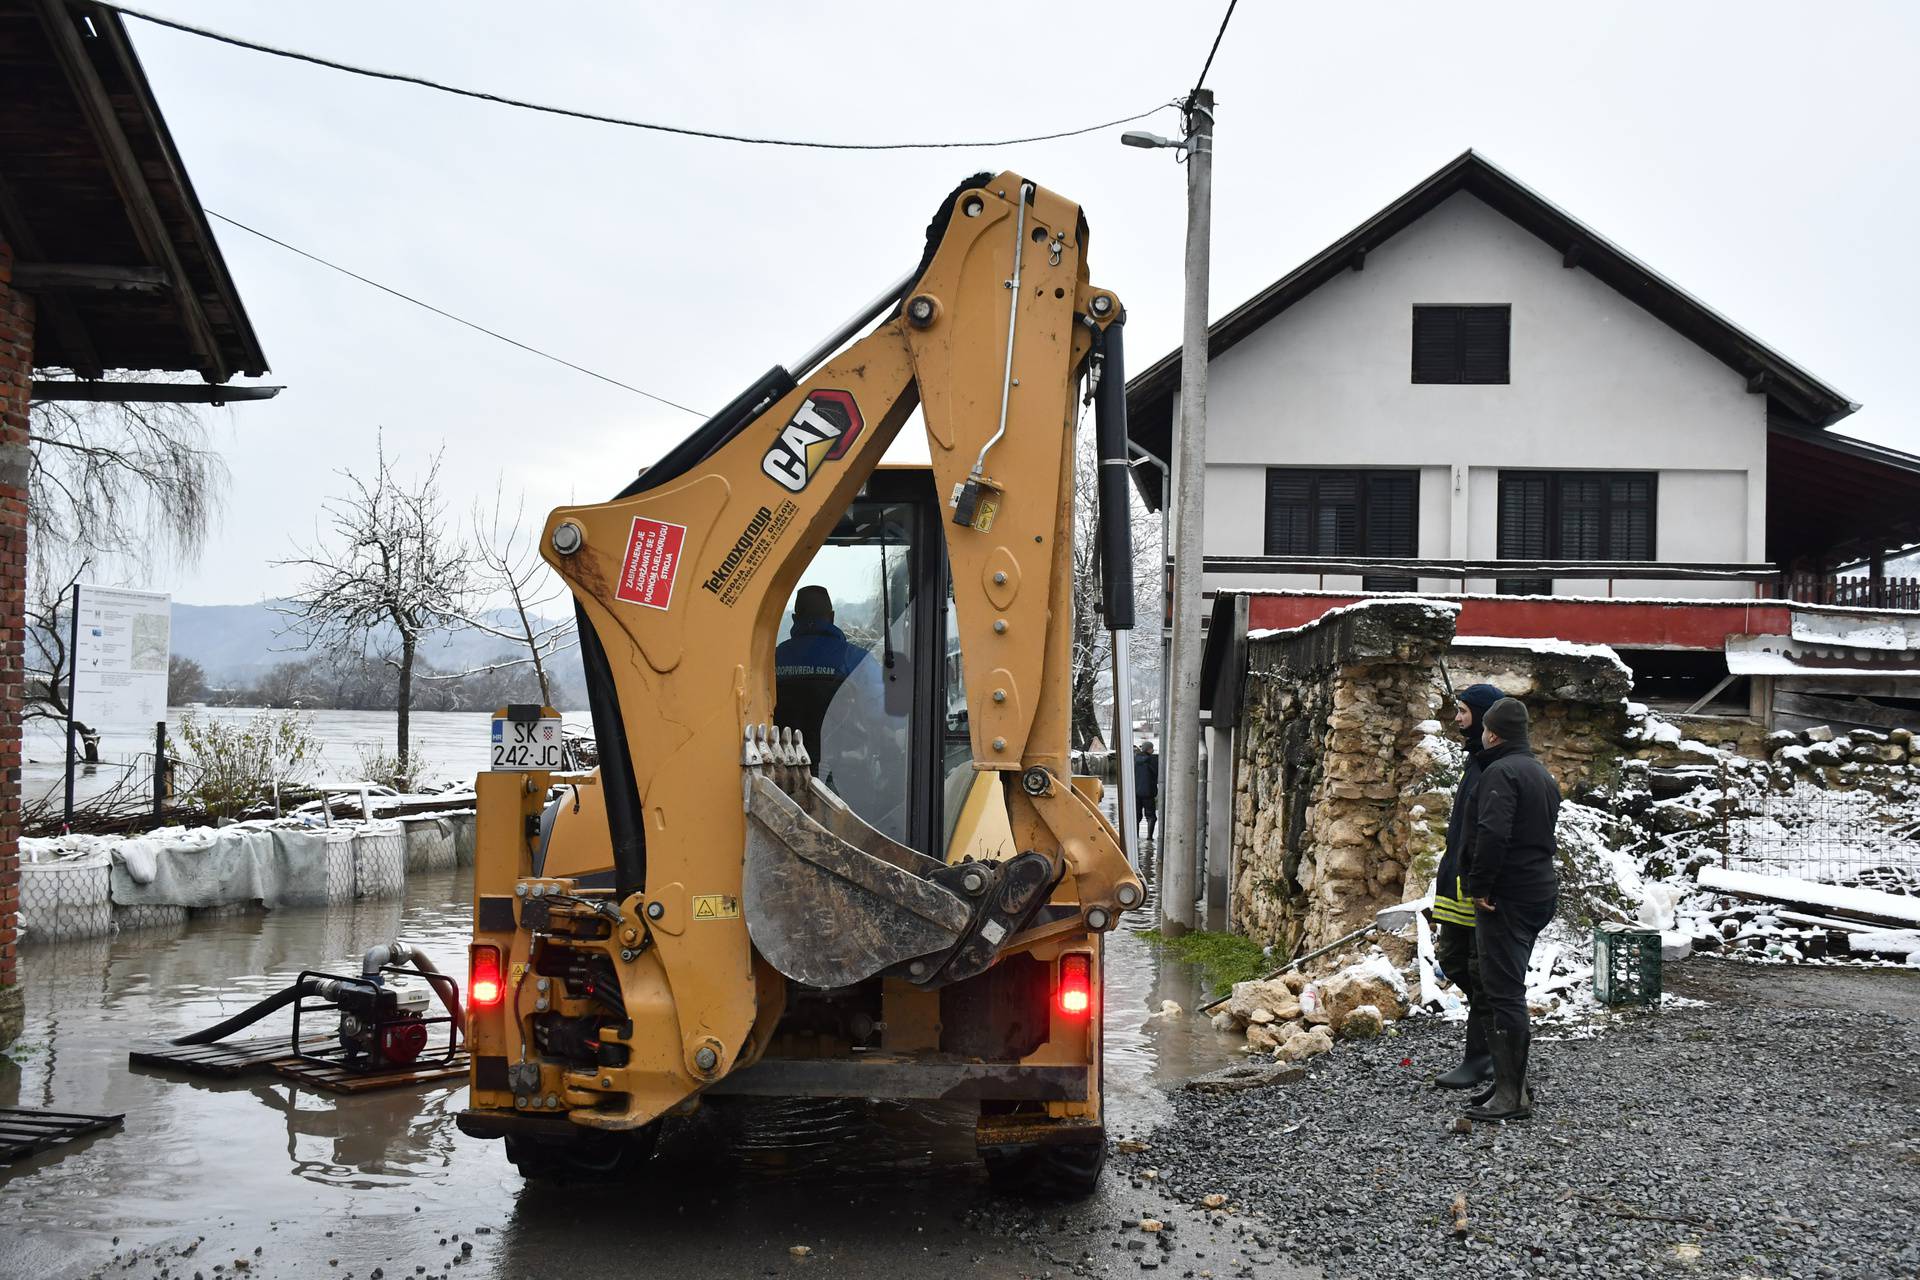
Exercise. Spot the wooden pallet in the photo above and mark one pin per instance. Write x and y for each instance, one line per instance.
(271, 1055)
(223, 1059)
(335, 1078)
(27, 1131)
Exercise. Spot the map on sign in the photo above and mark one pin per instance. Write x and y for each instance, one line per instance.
(527, 744)
(121, 646)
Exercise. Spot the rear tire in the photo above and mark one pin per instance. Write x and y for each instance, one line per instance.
(1046, 1170)
(592, 1157)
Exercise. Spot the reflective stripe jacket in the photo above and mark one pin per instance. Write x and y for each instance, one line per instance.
(1451, 902)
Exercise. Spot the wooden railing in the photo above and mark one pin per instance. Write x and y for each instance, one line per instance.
(1460, 570)
(1858, 593)
(1768, 581)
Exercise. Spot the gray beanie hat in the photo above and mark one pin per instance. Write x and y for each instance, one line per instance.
(1508, 719)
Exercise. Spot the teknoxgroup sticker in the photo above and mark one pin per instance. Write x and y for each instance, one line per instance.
(744, 558)
(824, 428)
(653, 559)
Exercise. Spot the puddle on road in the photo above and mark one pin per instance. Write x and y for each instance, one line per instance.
(200, 1156)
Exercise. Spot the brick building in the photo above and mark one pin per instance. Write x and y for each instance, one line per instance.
(107, 264)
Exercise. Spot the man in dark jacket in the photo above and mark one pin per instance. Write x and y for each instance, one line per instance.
(1512, 872)
(1146, 787)
(1452, 907)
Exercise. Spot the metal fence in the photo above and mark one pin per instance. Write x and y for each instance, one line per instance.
(1834, 837)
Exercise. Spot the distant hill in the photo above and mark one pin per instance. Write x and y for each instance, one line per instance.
(236, 643)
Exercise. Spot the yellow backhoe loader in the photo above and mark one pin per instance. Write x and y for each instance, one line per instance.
(833, 846)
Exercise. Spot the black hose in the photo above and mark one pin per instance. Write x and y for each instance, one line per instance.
(1110, 448)
(246, 1018)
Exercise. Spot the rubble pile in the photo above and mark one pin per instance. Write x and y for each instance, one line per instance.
(1294, 1017)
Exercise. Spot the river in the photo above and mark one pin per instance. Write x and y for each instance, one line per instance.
(454, 744)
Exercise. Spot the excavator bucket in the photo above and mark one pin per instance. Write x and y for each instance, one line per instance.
(830, 901)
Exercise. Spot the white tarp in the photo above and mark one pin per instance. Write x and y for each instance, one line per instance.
(275, 867)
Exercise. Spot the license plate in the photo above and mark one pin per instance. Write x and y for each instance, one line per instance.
(527, 744)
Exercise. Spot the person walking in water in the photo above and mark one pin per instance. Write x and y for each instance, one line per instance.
(1146, 787)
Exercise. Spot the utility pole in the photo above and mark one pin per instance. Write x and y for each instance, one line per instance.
(1179, 836)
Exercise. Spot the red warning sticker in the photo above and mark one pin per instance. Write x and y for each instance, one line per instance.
(653, 559)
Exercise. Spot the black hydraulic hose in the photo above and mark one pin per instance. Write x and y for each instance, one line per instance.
(1110, 447)
(246, 1018)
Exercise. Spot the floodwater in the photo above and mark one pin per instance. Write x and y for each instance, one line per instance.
(453, 743)
(336, 1186)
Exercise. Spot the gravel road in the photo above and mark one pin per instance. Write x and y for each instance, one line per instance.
(1773, 1133)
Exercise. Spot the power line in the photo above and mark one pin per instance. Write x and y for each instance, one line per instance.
(1201, 82)
(597, 117)
(406, 297)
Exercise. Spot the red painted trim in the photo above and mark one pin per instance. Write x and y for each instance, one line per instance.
(1627, 624)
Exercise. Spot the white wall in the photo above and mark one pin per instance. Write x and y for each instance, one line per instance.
(1596, 383)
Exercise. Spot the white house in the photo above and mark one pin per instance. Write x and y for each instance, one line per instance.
(1471, 376)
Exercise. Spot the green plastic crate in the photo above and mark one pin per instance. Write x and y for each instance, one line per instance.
(1626, 965)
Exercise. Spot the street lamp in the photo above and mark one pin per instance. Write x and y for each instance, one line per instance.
(1180, 706)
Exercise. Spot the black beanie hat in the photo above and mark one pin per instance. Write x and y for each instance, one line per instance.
(1478, 697)
(1507, 718)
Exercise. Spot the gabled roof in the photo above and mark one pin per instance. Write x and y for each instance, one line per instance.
(106, 231)
(1153, 395)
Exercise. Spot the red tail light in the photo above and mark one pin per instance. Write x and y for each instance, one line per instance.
(1074, 990)
(483, 979)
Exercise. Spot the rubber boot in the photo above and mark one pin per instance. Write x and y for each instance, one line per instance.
(1477, 1067)
(1509, 1100)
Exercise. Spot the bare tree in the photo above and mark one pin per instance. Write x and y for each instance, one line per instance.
(1092, 643)
(386, 575)
(47, 660)
(133, 484)
(508, 568)
(186, 681)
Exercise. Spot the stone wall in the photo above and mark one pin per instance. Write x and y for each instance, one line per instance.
(1346, 759)
(1575, 694)
(1326, 775)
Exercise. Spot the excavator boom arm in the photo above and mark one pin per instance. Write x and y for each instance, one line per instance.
(681, 583)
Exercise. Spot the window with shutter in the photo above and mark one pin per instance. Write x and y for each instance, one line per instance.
(1345, 513)
(1523, 529)
(1392, 529)
(1289, 513)
(1461, 344)
(1574, 515)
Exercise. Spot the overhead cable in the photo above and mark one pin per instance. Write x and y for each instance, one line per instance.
(407, 297)
(1208, 66)
(713, 135)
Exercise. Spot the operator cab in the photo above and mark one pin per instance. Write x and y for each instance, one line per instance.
(867, 666)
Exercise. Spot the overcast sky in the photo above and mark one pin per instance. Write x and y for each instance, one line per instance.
(1762, 156)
